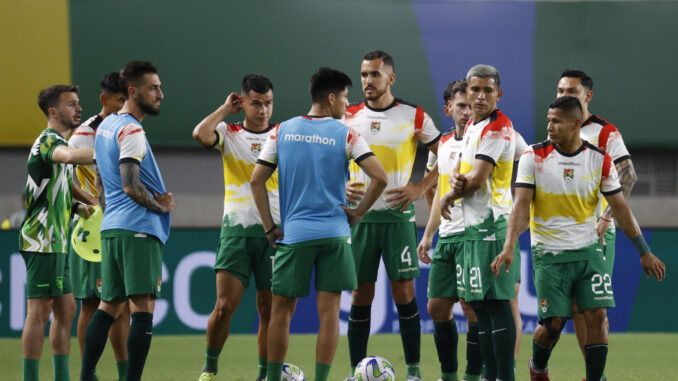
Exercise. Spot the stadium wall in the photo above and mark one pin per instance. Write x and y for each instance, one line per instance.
(188, 292)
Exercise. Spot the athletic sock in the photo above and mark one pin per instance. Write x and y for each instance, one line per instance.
(138, 343)
(61, 372)
(540, 356)
(596, 355)
(485, 340)
(31, 369)
(95, 341)
(358, 333)
(122, 370)
(449, 376)
(410, 333)
(211, 359)
(474, 362)
(413, 369)
(274, 371)
(262, 368)
(322, 371)
(446, 337)
(503, 337)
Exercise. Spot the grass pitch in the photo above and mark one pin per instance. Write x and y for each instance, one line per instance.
(631, 357)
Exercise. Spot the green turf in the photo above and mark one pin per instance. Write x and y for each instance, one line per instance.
(632, 357)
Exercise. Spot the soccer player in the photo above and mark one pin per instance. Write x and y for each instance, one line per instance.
(607, 138)
(315, 223)
(136, 220)
(561, 180)
(392, 128)
(86, 275)
(446, 283)
(43, 242)
(243, 247)
(483, 178)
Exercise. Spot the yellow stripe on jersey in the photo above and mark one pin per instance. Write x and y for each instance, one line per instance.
(396, 159)
(240, 173)
(550, 205)
(501, 183)
(444, 184)
(86, 180)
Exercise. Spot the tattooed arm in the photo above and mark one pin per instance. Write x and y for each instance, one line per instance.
(627, 178)
(132, 186)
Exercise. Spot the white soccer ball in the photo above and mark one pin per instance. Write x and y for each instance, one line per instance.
(374, 368)
(292, 373)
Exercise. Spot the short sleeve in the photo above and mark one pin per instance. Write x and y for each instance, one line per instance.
(132, 143)
(48, 143)
(525, 176)
(613, 143)
(220, 131)
(83, 137)
(609, 182)
(356, 146)
(269, 153)
(424, 128)
(521, 145)
(496, 142)
(431, 161)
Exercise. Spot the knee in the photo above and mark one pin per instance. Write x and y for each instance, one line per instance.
(363, 295)
(439, 312)
(554, 326)
(596, 317)
(264, 311)
(402, 292)
(225, 308)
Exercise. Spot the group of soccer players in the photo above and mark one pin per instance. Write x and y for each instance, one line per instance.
(330, 192)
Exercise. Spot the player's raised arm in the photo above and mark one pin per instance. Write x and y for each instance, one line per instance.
(205, 132)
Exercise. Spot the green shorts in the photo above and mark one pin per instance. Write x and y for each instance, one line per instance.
(557, 284)
(446, 276)
(242, 256)
(517, 261)
(481, 284)
(131, 264)
(398, 243)
(86, 277)
(331, 258)
(47, 274)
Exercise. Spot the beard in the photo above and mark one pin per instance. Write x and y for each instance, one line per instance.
(147, 107)
(68, 122)
(376, 94)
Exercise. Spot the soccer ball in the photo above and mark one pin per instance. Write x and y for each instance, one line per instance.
(374, 368)
(292, 373)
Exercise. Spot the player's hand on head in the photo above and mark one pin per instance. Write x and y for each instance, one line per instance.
(404, 196)
(166, 201)
(653, 266)
(504, 258)
(423, 249)
(233, 103)
(355, 191)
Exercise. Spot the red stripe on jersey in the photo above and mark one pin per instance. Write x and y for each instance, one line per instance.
(607, 164)
(353, 136)
(418, 120)
(83, 133)
(604, 135)
(233, 127)
(274, 132)
(543, 152)
(499, 125)
(127, 132)
(354, 109)
(446, 137)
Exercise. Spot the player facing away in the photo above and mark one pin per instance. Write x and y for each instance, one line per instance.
(86, 275)
(243, 247)
(136, 220)
(312, 154)
(561, 180)
(446, 278)
(392, 128)
(482, 177)
(607, 138)
(43, 241)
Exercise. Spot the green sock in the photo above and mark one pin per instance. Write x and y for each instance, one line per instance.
(352, 371)
(60, 363)
(31, 369)
(122, 370)
(604, 378)
(503, 337)
(95, 341)
(515, 364)
(410, 333)
(274, 371)
(262, 368)
(322, 371)
(596, 356)
(489, 369)
(358, 333)
(446, 337)
(449, 376)
(413, 370)
(540, 356)
(138, 343)
(474, 362)
(211, 359)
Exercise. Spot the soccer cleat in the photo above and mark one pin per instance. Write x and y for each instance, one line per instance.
(260, 379)
(350, 378)
(536, 376)
(207, 376)
(412, 378)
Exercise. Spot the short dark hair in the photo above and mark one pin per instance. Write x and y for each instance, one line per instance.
(257, 83)
(133, 72)
(49, 97)
(380, 55)
(586, 81)
(110, 84)
(458, 86)
(568, 104)
(327, 81)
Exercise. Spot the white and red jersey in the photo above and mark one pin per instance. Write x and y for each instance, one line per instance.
(567, 190)
(83, 137)
(392, 134)
(448, 154)
(486, 210)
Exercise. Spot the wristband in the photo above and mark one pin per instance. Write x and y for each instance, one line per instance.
(271, 231)
(74, 208)
(641, 245)
(605, 219)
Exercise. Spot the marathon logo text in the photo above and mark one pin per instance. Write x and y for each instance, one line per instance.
(313, 139)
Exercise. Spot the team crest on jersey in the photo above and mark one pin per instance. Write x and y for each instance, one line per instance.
(544, 305)
(375, 127)
(568, 174)
(99, 285)
(256, 148)
(452, 155)
(158, 285)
